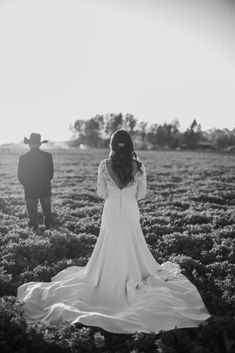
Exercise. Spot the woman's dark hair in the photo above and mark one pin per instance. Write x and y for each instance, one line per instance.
(122, 155)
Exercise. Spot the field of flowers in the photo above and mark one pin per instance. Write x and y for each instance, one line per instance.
(186, 217)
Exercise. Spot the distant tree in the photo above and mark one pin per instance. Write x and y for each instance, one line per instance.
(193, 135)
(163, 135)
(222, 138)
(96, 132)
(79, 132)
(141, 135)
(167, 134)
(89, 131)
(151, 135)
(93, 127)
(130, 123)
(175, 133)
(113, 123)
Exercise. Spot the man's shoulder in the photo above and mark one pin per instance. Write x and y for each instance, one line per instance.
(31, 154)
(46, 154)
(24, 155)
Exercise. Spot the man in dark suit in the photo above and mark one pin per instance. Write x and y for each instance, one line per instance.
(35, 172)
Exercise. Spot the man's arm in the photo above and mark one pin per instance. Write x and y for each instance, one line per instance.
(20, 171)
(51, 166)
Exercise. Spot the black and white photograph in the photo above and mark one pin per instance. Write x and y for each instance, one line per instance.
(117, 176)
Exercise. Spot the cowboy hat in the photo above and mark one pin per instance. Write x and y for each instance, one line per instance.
(35, 139)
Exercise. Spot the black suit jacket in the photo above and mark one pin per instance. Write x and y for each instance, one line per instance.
(35, 171)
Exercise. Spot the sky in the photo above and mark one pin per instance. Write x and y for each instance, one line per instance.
(62, 60)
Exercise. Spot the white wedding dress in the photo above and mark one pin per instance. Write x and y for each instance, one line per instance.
(122, 289)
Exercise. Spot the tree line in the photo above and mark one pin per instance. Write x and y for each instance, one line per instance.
(96, 131)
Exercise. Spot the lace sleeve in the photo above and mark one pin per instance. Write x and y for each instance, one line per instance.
(101, 183)
(142, 185)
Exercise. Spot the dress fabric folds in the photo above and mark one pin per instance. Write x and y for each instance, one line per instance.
(122, 289)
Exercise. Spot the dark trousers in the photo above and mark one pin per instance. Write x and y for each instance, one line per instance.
(32, 208)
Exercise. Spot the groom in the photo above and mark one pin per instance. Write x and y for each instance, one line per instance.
(35, 172)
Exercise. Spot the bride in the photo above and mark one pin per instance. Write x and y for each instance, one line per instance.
(122, 289)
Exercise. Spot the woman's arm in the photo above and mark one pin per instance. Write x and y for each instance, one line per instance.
(101, 183)
(142, 185)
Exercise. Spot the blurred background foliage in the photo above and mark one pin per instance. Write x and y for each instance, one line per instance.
(96, 132)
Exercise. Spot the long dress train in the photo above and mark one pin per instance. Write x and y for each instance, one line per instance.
(122, 289)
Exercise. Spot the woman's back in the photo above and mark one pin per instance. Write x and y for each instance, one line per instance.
(109, 184)
(115, 176)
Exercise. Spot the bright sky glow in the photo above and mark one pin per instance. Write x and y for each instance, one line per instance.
(61, 60)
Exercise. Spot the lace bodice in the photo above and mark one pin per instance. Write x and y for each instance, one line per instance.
(107, 186)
